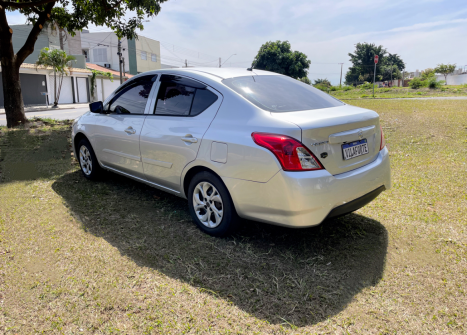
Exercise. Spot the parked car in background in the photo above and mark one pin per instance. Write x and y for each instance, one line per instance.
(237, 144)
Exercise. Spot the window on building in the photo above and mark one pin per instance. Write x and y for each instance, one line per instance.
(144, 56)
(154, 57)
(133, 98)
(179, 96)
(86, 53)
(99, 55)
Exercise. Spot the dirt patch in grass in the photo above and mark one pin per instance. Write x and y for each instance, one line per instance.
(117, 256)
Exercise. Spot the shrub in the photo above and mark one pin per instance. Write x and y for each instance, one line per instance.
(324, 82)
(366, 86)
(364, 96)
(321, 87)
(334, 88)
(348, 88)
(305, 80)
(433, 83)
(416, 83)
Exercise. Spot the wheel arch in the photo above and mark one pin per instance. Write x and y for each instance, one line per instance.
(194, 170)
(78, 137)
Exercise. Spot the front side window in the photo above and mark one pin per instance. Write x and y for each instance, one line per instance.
(179, 96)
(144, 56)
(133, 97)
(276, 93)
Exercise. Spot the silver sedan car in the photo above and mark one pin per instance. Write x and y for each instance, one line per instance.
(237, 143)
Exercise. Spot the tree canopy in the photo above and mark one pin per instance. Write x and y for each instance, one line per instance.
(61, 64)
(75, 15)
(363, 65)
(445, 69)
(122, 16)
(278, 57)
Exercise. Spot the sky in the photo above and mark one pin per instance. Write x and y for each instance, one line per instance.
(423, 33)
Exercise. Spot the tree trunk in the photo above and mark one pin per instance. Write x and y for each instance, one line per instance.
(14, 106)
(55, 89)
(13, 97)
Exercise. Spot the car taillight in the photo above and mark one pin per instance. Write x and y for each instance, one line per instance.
(292, 154)
(383, 142)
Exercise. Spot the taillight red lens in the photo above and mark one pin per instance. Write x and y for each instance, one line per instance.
(383, 142)
(292, 154)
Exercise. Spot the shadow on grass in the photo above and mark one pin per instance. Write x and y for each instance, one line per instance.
(27, 156)
(276, 274)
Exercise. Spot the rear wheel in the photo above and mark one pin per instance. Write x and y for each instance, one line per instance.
(87, 160)
(211, 206)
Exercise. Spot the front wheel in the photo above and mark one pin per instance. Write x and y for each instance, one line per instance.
(87, 160)
(211, 206)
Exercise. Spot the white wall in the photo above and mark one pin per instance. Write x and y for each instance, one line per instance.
(105, 87)
(459, 79)
(66, 93)
(82, 90)
(110, 87)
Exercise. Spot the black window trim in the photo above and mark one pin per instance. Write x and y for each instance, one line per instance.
(211, 89)
(130, 83)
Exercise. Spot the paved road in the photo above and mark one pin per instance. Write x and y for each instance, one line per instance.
(58, 114)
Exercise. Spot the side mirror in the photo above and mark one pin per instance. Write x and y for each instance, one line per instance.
(96, 107)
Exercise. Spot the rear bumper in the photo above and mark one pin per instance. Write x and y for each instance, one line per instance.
(355, 204)
(305, 199)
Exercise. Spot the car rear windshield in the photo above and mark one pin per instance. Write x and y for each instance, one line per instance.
(280, 93)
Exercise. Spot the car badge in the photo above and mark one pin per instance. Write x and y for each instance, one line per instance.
(360, 134)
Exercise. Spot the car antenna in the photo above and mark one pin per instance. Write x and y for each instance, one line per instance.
(252, 67)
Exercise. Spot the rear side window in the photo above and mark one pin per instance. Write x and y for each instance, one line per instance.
(280, 93)
(202, 100)
(180, 96)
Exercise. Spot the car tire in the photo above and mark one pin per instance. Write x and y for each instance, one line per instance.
(87, 160)
(211, 205)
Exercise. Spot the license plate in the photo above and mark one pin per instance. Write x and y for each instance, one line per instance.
(354, 149)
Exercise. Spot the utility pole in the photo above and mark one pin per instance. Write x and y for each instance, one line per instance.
(374, 80)
(119, 53)
(186, 63)
(340, 84)
(220, 62)
(391, 74)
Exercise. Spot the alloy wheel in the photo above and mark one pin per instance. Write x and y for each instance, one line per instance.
(86, 160)
(208, 204)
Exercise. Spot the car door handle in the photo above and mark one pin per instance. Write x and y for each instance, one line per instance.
(130, 131)
(189, 139)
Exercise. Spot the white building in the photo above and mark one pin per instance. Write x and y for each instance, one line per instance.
(139, 55)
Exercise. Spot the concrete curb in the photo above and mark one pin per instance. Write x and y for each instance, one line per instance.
(45, 109)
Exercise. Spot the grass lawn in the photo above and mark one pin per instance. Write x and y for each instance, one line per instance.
(117, 256)
(401, 92)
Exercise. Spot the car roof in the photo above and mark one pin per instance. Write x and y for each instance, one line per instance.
(218, 73)
(227, 72)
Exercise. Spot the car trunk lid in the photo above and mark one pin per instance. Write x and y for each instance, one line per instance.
(325, 132)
